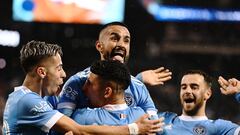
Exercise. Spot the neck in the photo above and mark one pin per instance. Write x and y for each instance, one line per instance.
(34, 84)
(117, 99)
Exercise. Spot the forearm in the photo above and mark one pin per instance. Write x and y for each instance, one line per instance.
(66, 124)
(105, 130)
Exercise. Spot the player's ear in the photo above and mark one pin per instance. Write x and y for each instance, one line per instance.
(99, 46)
(208, 94)
(41, 71)
(108, 92)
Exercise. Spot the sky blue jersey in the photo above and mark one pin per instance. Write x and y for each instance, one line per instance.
(72, 96)
(108, 115)
(186, 125)
(26, 113)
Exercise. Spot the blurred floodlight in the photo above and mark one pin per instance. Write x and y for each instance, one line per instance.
(9, 38)
(2, 63)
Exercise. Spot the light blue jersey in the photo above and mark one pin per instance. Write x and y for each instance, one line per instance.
(108, 115)
(72, 96)
(26, 113)
(185, 125)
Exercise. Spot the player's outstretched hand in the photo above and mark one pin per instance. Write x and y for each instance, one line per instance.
(156, 77)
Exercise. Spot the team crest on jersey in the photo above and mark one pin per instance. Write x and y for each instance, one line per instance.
(129, 99)
(199, 130)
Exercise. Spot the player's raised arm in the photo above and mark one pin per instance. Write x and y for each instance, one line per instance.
(229, 87)
(155, 77)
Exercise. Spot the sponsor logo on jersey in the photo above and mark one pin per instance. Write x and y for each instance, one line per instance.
(199, 130)
(70, 93)
(42, 106)
(129, 99)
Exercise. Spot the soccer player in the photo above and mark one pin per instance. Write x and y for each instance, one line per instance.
(114, 44)
(27, 113)
(105, 88)
(195, 91)
(230, 87)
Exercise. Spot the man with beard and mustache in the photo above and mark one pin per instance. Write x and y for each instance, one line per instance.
(195, 90)
(114, 44)
(230, 87)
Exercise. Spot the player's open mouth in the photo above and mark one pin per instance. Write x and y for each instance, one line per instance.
(189, 100)
(119, 54)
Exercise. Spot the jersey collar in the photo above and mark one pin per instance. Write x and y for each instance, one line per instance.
(192, 118)
(116, 107)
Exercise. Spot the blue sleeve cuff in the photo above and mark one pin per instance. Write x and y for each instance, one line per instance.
(139, 77)
(237, 97)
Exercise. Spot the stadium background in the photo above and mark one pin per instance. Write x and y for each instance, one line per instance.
(212, 46)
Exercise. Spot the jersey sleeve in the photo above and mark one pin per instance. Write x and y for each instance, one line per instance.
(227, 127)
(142, 96)
(35, 111)
(53, 100)
(71, 94)
(168, 116)
(139, 77)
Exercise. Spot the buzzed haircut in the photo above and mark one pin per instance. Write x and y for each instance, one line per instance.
(112, 24)
(34, 52)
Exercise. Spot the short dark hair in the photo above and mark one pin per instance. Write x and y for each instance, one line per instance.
(112, 24)
(208, 79)
(112, 70)
(34, 52)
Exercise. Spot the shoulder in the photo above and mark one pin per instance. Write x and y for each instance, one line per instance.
(222, 121)
(75, 82)
(225, 126)
(136, 109)
(168, 116)
(136, 82)
(35, 99)
(84, 73)
(80, 75)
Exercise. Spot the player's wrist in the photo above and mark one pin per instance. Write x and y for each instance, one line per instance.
(133, 129)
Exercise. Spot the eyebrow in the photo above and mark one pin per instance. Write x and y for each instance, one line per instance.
(60, 65)
(116, 34)
(192, 84)
(183, 84)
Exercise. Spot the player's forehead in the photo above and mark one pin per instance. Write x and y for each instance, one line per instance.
(192, 79)
(54, 60)
(117, 29)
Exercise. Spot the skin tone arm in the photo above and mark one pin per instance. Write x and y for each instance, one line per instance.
(156, 77)
(229, 87)
(65, 124)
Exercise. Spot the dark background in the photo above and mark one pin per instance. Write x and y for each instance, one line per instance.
(210, 46)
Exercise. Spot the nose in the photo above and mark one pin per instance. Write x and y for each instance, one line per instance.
(188, 89)
(63, 74)
(121, 43)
